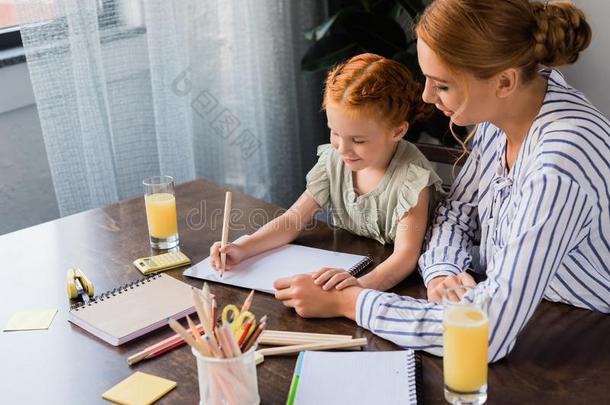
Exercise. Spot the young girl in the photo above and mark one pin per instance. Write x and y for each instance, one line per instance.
(372, 182)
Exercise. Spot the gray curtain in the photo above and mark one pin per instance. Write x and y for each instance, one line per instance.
(126, 89)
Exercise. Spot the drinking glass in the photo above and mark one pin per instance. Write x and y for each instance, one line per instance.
(465, 345)
(161, 216)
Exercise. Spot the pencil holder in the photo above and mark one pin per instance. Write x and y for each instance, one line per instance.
(227, 380)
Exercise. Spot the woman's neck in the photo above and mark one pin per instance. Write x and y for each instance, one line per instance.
(517, 113)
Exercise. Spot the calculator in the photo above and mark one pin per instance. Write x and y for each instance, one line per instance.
(162, 262)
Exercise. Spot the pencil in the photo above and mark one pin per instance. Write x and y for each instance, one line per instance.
(159, 348)
(185, 335)
(247, 303)
(251, 341)
(213, 348)
(244, 334)
(274, 351)
(275, 337)
(225, 230)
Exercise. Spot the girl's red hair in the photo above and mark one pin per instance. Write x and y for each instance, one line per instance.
(377, 86)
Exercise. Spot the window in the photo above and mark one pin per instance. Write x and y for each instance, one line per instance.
(10, 38)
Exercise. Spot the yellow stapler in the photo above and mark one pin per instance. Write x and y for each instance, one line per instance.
(79, 285)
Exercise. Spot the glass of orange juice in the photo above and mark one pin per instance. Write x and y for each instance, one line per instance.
(161, 216)
(465, 344)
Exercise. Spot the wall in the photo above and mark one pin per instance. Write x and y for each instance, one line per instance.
(590, 73)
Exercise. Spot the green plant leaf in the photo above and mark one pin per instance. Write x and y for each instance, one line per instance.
(373, 32)
(409, 59)
(383, 7)
(319, 31)
(413, 7)
(328, 51)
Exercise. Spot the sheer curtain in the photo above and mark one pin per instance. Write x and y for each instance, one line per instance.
(126, 89)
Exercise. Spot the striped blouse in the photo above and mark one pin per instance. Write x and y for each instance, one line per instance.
(544, 227)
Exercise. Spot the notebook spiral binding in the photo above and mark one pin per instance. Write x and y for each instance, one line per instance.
(111, 293)
(361, 265)
(415, 379)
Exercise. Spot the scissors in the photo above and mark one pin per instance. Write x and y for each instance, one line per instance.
(237, 319)
(78, 285)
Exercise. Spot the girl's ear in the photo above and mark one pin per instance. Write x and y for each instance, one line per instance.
(399, 132)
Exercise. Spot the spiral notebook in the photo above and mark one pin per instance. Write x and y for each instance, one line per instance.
(259, 272)
(357, 378)
(132, 310)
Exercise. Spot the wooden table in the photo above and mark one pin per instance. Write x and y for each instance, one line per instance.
(562, 356)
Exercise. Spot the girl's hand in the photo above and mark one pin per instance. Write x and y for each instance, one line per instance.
(235, 254)
(338, 278)
(309, 300)
(438, 285)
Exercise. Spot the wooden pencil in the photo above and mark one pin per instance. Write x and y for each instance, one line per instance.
(159, 348)
(247, 303)
(185, 335)
(225, 230)
(274, 351)
(251, 341)
(271, 337)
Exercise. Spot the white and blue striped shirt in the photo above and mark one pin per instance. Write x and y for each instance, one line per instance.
(544, 227)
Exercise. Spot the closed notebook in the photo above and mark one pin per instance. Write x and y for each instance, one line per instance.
(134, 309)
(356, 378)
(259, 272)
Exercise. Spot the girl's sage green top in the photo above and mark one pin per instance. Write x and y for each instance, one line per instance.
(375, 214)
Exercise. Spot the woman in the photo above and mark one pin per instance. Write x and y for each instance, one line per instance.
(535, 189)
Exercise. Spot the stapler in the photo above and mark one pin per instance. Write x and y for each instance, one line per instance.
(79, 286)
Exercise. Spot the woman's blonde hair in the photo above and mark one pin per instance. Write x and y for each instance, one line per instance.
(379, 87)
(485, 37)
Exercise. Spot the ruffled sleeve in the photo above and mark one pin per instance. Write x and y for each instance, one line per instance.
(416, 179)
(318, 182)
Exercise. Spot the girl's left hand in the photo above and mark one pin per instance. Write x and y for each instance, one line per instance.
(338, 278)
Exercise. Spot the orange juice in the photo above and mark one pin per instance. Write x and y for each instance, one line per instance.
(161, 215)
(465, 342)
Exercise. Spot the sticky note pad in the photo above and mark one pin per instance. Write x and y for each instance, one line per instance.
(31, 320)
(139, 389)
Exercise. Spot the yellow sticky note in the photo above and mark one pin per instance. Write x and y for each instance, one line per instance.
(31, 320)
(139, 389)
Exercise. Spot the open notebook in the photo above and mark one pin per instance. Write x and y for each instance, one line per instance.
(259, 272)
(356, 378)
(134, 309)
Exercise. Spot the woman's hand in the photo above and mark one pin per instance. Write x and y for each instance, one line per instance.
(235, 254)
(310, 301)
(338, 278)
(438, 285)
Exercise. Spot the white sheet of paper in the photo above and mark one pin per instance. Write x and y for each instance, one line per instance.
(357, 378)
(259, 272)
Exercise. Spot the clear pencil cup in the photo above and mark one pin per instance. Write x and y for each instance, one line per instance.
(227, 380)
